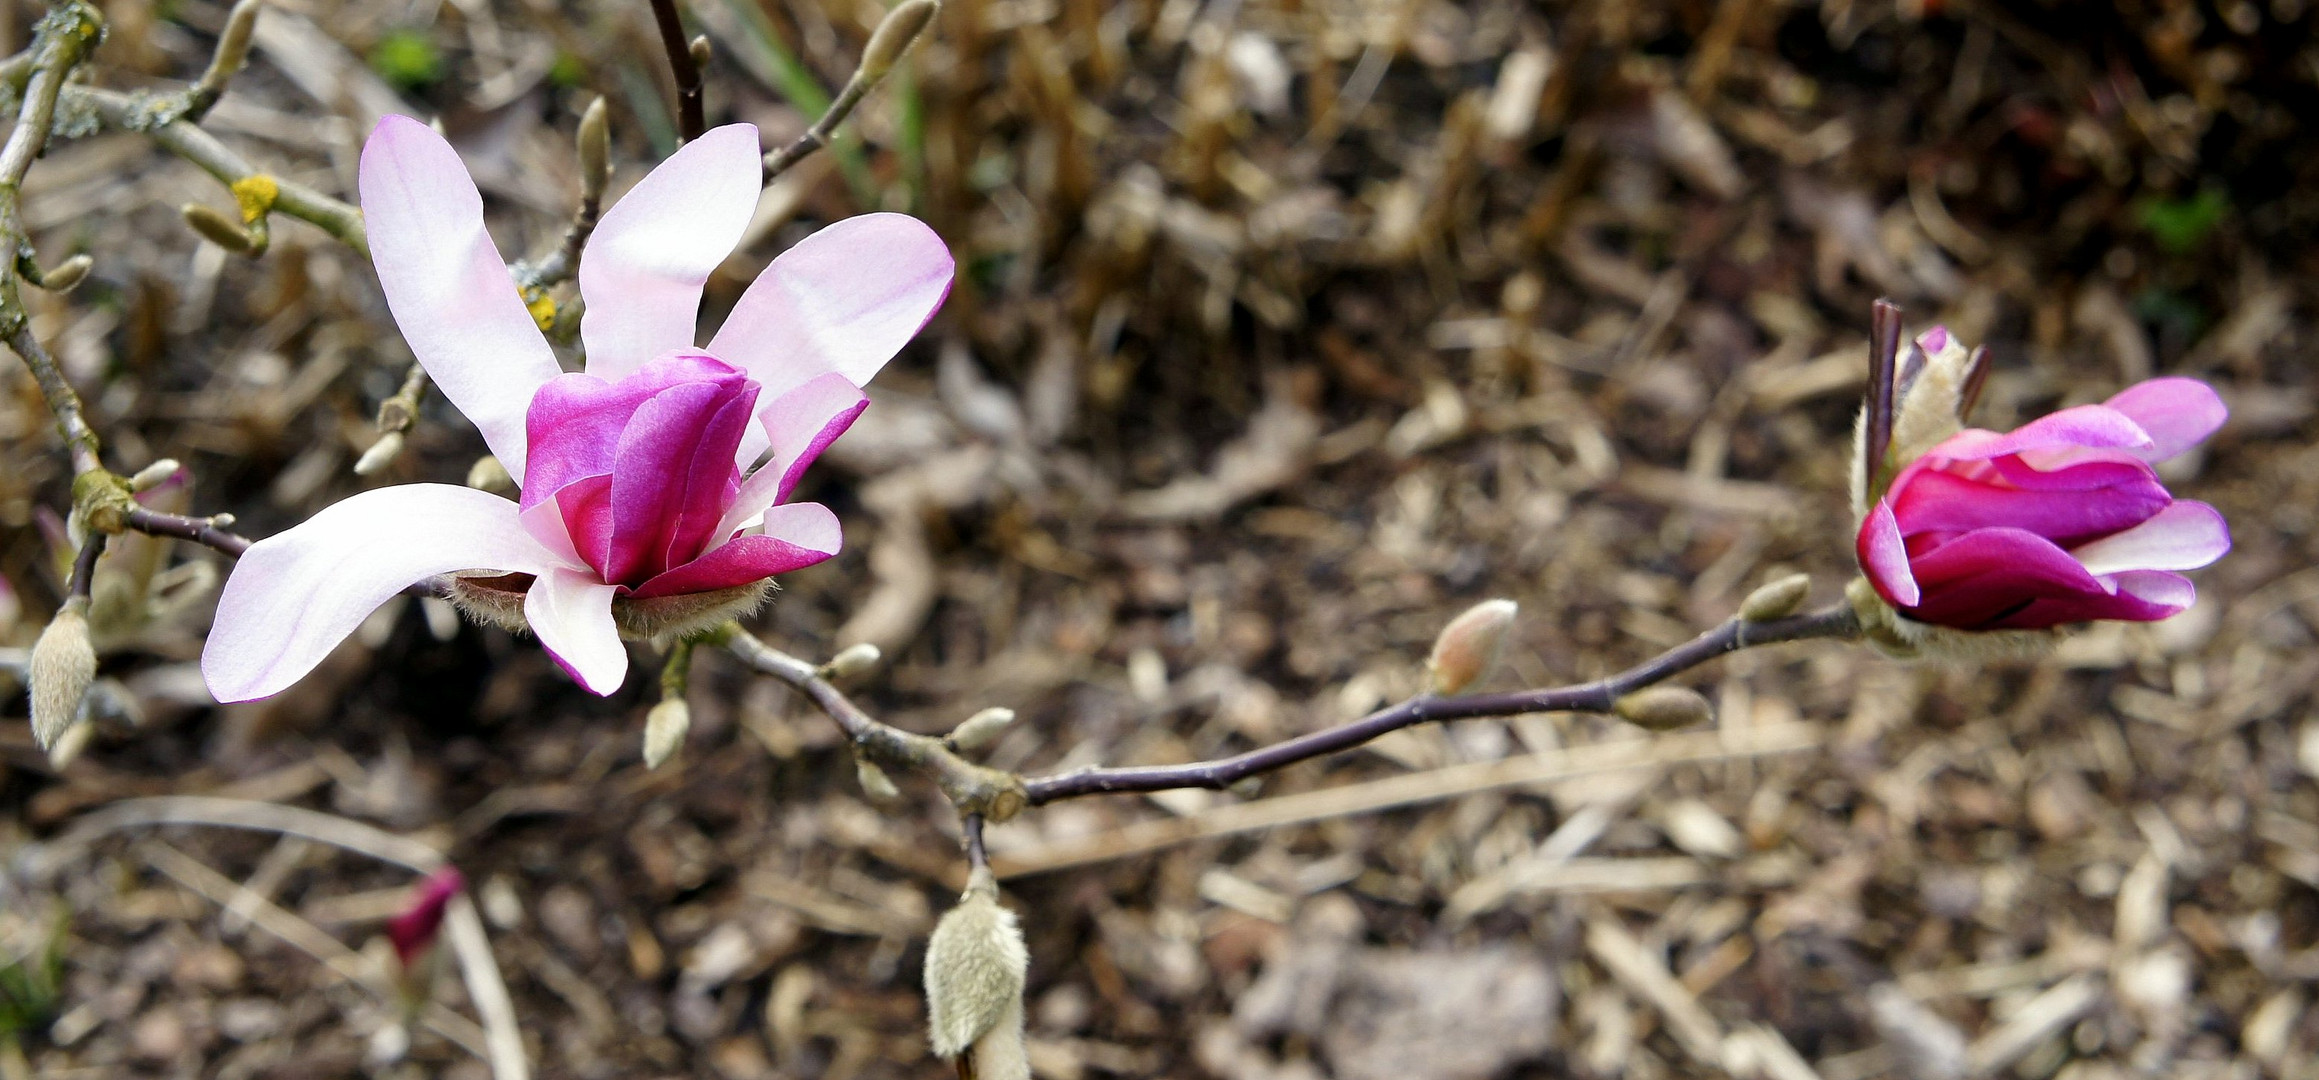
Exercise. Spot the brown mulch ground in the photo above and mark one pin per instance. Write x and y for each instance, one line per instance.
(1284, 331)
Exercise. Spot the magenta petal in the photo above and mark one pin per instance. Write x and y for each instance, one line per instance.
(2178, 413)
(800, 425)
(449, 290)
(674, 476)
(1884, 558)
(1989, 576)
(2142, 596)
(642, 272)
(1935, 501)
(798, 535)
(2083, 426)
(575, 421)
(845, 299)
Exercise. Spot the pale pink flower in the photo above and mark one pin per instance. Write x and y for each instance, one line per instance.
(639, 505)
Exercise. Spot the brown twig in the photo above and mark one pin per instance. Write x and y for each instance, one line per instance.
(1597, 696)
(208, 532)
(84, 566)
(64, 37)
(690, 119)
(893, 747)
(893, 37)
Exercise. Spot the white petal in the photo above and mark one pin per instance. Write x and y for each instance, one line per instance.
(642, 272)
(845, 299)
(295, 595)
(571, 611)
(450, 292)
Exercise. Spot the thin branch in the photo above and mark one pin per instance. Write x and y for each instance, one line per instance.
(208, 532)
(892, 747)
(893, 37)
(1883, 358)
(1597, 696)
(126, 113)
(62, 40)
(84, 566)
(974, 789)
(690, 119)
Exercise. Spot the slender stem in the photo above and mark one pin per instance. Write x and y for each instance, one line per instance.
(183, 138)
(1596, 696)
(895, 748)
(64, 37)
(817, 136)
(203, 531)
(84, 566)
(977, 858)
(690, 119)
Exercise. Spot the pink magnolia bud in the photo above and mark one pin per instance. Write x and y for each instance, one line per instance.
(1468, 647)
(2061, 520)
(413, 932)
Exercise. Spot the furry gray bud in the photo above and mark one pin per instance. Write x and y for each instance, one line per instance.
(664, 729)
(1664, 708)
(64, 663)
(976, 964)
(1468, 648)
(1776, 600)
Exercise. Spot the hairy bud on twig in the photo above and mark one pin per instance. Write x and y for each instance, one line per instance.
(155, 475)
(982, 728)
(69, 745)
(218, 229)
(701, 50)
(380, 455)
(1777, 599)
(851, 661)
(875, 783)
(64, 663)
(1467, 649)
(664, 729)
(1664, 708)
(893, 37)
(64, 275)
(975, 967)
(233, 46)
(595, 151)
(487, 474)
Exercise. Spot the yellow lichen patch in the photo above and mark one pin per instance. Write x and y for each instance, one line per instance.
(543, 311)
(256, 194)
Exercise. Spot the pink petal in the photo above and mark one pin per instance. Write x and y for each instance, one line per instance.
(2184, 536)
(295, 595)
(845, 299)
(2083, 426)
(797, 535)
(575, 421)
(2141, 596)
(1884, 558)
(2011, 579)
(800, 425)
(450, 293)
(2178, 413)
(1936, 501)
(642, 272)
(413, 931)
(674, 476)
(571, 612)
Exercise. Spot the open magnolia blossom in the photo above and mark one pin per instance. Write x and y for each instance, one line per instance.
(640, 510)
(2061, 520)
